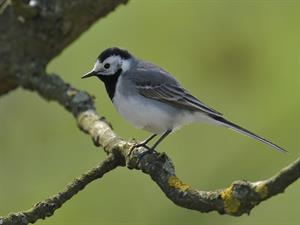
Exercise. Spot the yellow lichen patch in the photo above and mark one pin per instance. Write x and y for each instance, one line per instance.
(231, 203)
(262, 190)
(178, 184)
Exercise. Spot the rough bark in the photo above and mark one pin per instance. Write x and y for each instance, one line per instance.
(46, 208)
(39, 31)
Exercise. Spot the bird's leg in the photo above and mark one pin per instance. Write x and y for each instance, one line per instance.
(152, 149)
(162, 137)
(142, 144)
(145, 142)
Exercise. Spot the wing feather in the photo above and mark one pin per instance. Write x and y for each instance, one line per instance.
(174, 95)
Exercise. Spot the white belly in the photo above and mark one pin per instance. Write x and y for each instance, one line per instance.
(152, 115)
(145, 113)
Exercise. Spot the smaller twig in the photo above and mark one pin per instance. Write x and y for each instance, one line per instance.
(25, 11)
(278, 183)
(47, 207)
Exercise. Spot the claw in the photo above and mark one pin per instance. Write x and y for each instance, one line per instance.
(137, 145)
(142, 144)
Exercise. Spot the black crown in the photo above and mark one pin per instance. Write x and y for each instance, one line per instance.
(124, 54)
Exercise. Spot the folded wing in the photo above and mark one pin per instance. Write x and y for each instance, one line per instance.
(174, 95)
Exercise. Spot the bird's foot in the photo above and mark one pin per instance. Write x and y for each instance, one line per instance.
(137, 145)
(142, 144)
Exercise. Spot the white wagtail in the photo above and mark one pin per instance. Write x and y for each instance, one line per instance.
(152, 99)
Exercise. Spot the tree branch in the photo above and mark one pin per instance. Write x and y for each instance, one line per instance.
(40, 30)
(23, 10)
(235, 200)
(47, 207)
(239, 198)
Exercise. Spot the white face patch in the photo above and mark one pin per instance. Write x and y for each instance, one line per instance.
(111, 65)
(113, 60)
(125, 65)
(97, 66)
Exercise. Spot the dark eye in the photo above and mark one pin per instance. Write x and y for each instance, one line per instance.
(106, 65)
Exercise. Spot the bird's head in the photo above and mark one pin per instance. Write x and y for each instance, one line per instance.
(110, 62)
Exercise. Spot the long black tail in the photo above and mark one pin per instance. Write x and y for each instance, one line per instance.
(248, 133)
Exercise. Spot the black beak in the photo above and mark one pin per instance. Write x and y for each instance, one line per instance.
(89, 74)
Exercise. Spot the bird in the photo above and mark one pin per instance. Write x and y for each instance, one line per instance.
(152, 99)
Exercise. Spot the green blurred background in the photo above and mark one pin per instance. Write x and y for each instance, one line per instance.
(240, 57)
